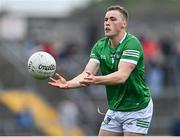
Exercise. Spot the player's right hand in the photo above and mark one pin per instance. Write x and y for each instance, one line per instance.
(58, 82)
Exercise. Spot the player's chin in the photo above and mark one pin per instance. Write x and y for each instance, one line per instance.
(108, 34)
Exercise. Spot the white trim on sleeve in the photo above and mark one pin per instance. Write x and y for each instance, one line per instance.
(95, 60)
(129, 61)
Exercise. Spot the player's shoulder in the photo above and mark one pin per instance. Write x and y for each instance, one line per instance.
(132, 38)
(101, 41)
(132, 43)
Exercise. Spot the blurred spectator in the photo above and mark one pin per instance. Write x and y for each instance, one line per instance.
(153, 61)
(167, 48)
(175, 127)
(155, 77)
(177, 64)
(69, 50)
(24, 119)
(92, 33)
(151, 48)
(69, 115)
(31, 47)
(49, 48)
(175, 124)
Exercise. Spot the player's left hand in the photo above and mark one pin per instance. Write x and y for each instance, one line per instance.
(89, 79)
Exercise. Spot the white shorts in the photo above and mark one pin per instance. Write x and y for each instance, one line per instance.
(136, 121)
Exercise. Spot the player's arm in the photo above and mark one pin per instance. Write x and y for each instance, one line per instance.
(60, 82)
(118, 77)
(91, 67)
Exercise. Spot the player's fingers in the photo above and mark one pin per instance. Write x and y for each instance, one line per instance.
(88, 78)
(59, 76)
(82, 82)
(85, 82)
(52, 84)
(83, 85)
(52, 79)
(89, 73)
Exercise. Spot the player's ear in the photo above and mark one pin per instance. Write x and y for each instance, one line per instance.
(124, 24)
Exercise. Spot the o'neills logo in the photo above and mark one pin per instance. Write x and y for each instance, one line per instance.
(43, 67)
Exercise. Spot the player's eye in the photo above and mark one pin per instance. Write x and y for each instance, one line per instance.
(113, 19)
(105, 19)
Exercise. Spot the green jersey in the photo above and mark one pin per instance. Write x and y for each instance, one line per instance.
(134, 94)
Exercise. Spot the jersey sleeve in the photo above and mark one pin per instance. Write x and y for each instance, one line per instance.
(94, 55)
(132, 51)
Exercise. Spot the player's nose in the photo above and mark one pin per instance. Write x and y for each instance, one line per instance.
(106, 23)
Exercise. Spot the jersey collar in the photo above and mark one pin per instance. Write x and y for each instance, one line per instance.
(123, 38)
(120, 40)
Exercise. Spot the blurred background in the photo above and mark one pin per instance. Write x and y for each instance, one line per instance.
(68, 29)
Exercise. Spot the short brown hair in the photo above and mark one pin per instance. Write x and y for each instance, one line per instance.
(120, 9)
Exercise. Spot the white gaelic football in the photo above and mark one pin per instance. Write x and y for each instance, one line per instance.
(41, 65)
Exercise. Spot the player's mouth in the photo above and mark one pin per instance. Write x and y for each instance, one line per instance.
(107, 29)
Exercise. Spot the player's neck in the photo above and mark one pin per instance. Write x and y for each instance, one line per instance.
(116, 39)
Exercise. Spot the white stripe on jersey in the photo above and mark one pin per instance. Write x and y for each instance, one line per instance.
(129, 61)
(136, 51)
(95, 60)
(137, 56)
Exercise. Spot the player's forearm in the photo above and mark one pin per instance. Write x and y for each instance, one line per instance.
(75, 82)
(111, 79)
